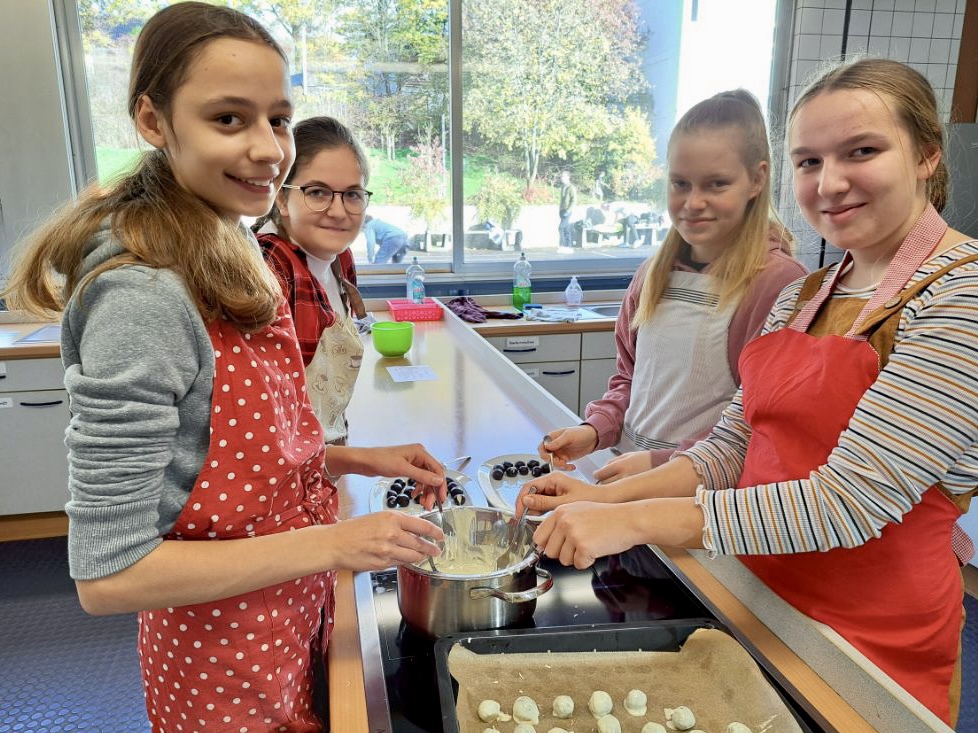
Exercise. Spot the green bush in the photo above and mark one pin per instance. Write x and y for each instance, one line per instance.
(499, 200)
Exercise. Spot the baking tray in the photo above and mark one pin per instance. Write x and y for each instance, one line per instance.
(662, 636)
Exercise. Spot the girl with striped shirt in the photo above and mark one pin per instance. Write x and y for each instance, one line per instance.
(841, 466)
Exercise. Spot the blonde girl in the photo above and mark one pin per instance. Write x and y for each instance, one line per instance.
(692, 308)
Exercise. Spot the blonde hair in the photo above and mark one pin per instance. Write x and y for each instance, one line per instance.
(740, 263)
(158, 223)
(912, 97)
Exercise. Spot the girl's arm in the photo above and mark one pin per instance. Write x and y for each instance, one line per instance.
(178, 573)
(607, 415)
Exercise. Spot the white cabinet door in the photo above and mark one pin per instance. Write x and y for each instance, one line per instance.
(562, 379)
(33, 456)
(595, 374)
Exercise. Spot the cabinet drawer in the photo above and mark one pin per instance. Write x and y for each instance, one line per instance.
(18, 375)
(595, 374)
(562, 379)
(536, 348)
(598, 345)
(33, 456)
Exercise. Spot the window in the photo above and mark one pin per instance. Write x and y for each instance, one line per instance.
(545, 90)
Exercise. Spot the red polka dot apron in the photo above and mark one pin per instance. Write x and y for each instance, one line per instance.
(245, 663)
(897, 599)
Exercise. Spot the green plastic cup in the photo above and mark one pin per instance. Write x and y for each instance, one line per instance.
(392, 338)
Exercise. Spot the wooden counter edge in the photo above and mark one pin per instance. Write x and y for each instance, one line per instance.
(347, 695)
(33, 526)
(822, 700)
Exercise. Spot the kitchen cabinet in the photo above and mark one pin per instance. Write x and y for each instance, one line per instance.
(598, 365)
(552, 360)
(33, 419)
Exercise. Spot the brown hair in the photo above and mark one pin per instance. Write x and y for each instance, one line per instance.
(157, 222)
(913, 101)
(740, 263)
(312, 136)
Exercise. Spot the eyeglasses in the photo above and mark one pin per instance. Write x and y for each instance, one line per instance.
(319, 198)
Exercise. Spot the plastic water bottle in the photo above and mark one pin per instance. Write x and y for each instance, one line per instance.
(415, 282)
(521, 282)
(573, 294)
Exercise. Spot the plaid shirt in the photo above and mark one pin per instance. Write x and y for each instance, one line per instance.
(307, 299)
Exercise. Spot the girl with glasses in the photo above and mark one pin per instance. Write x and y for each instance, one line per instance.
(306, 241)
(197, 469)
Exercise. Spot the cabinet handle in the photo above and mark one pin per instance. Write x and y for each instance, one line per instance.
(42, 404)
(559, 374)
(519, 351)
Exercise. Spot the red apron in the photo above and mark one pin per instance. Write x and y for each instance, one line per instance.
(245, 663)
(897, 599)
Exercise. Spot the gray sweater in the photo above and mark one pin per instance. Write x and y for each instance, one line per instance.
(139, 370)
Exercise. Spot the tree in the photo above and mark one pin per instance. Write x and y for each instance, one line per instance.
(300, 19)
(426, 196)
(545, 77)
(103, 22)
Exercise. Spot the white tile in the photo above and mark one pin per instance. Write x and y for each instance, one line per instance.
(902, 24)
(940, 51)
(962, 4)
(862, 4)
(881, 22)
(943, 25)
(858, 45)
(957, 25)
(833, 21)
(883, 5)
(899, 49)
(955, 49)
(923, 25)
(811, 20)
(859, 23)
(830, 47)
(904, 5)
(936, 74)
(919, 50)
(809, 47)
(879, 45)
(804, 72)
(925, 6)
(952, 75)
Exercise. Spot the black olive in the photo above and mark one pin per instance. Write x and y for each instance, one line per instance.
(417, 498)
(451, 484)
(523, 470)
(391, 500)
(411, 482)
(458, 498)
(545, 468)
(536, 472)
(498, 473)
(519, 463)
(533, 463)
(500, 466)
(403, 500)
(507, 464)
(511, 471)
(397, 484)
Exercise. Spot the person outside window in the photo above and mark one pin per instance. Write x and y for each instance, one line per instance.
(568, 199)
(389, 242)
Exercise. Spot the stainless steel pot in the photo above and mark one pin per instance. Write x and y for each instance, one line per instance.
(438, 603)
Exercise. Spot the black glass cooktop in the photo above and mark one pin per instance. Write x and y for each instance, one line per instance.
(633, 586)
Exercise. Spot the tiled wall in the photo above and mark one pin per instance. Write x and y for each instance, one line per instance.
(923, 33)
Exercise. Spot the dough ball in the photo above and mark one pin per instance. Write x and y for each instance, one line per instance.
(525, 710)
(682, 718)
(636, 703)
(654, 728)
(738, 728)
(609, 724)
(524, 728)
(600, 703)
(488, 711)
(563, 706)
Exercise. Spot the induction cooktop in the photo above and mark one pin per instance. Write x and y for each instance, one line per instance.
(399, 663)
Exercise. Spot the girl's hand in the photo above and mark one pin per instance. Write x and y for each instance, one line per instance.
(382, 539)
(566, 444)
(579, 533)
(552, 490)
(412, 461)
(627, 464)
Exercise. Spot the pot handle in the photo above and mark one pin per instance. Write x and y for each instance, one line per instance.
(520, 596)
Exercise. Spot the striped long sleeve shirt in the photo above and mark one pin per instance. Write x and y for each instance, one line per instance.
(915, 426)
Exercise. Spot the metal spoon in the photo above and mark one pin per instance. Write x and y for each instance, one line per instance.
(517, 531)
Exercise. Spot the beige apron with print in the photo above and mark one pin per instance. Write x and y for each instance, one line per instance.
(332, 373)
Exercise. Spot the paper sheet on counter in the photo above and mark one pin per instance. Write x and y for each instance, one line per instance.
(712, 674)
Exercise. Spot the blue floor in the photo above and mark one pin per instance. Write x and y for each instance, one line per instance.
(62, 671)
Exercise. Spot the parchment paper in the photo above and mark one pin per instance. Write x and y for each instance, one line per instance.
(712, 674)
